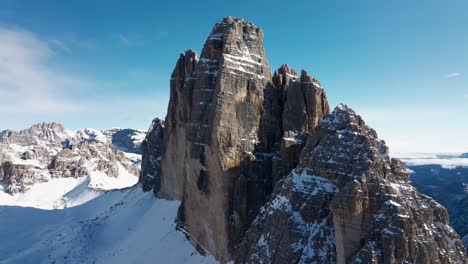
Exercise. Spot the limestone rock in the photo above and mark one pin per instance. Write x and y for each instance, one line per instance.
(348, 202)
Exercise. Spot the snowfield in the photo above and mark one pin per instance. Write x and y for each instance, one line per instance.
(59, 193)
(120, 226)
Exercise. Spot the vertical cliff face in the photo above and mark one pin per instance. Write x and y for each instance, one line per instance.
(232, 130)
(348, 202)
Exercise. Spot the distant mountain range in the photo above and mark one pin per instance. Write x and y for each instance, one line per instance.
(49, 152)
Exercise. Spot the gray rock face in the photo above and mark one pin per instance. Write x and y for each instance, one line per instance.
(47, 151)
(348, 202)
(232, 130)
(150, 176)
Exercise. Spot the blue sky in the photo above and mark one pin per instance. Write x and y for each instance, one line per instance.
(402, 65)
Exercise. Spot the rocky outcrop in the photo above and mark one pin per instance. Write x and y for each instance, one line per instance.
(232, 131)
(47, 151)
(348, 202)
(150, 176)
(464, 155)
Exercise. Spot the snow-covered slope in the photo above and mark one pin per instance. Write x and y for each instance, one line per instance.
(121, 226)
(59, 193)
(65, 197)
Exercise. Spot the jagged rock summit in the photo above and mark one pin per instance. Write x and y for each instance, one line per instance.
(266, 175)
(348, 202)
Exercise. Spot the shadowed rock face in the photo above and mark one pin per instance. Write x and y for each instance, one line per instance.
(348, 202)
(232, 130)
(151, 147)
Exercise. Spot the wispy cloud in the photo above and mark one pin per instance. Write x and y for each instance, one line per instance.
(27, 83)
(61, 45)
(452, 75)
(131, 40)
(32, 89)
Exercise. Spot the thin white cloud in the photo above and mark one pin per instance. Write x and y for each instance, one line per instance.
(132, 40)
(60, 44)
(452, 75)
(33, 90)
(27, 83)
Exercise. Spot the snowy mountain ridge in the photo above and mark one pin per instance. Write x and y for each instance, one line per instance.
(62, 162)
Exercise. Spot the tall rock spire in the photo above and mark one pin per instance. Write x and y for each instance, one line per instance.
(225, 143)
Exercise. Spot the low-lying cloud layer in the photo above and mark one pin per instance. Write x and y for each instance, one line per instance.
(448, 161)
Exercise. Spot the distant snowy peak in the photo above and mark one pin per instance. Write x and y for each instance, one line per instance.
(44, 134)
(126, 139)
(464, 155)
(90, 135)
